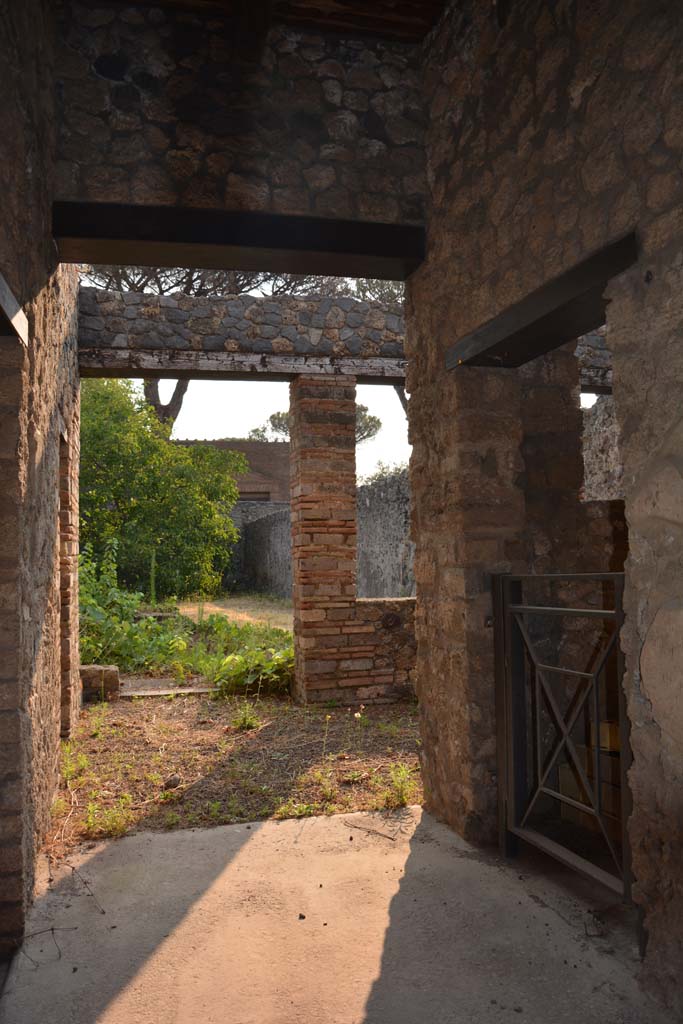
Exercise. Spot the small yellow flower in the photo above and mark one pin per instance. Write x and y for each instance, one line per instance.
(328, 718)
(357, 715)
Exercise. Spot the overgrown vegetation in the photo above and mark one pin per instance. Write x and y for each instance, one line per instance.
(234, 658)
(167, 505)
(154, 763)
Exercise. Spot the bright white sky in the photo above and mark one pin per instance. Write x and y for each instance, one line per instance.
(215, 409)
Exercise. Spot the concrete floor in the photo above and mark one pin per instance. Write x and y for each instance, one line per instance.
(321, 921)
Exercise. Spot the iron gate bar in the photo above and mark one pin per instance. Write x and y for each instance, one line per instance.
(572, 860)
(564, 671)
(511, 715)
(612, 577)
(566, 740)
(588, 613)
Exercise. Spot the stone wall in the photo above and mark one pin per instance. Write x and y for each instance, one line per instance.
(548, 137)
(38, 405)
(262, 560)
(157, 107)
(267, 566)
(243, 514)
(112, 324)
(385, 550)
(346, 649)
(603, 469)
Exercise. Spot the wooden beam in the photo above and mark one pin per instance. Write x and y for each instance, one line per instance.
(12, 317)
(563, 309)
(176, 364)
(169, 236)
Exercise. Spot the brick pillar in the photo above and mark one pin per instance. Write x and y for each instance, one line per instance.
(69, 453)
(323, 488)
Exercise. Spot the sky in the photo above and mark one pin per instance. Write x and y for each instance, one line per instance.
(216, 409)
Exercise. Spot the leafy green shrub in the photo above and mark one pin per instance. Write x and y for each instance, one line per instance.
(109, 631)
(234, 658)
(167, 504)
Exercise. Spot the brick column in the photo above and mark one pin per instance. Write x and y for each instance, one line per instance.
(323, 481)
(69, 454)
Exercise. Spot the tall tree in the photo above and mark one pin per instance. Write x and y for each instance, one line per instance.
(277, 426)
(167, 505)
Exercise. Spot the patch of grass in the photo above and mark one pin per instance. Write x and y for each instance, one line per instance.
(74, 764)
(327, 783)
(103, 822)
(246, 717)
(401, 786)
(299, 761)
(389, 728)
(292, 809)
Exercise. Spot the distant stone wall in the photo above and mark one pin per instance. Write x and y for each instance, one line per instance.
(315, 325)
(603, 466)
(267, 564)
(385, 550)
(243, 514)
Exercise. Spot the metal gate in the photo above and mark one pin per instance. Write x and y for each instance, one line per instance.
(563, 736)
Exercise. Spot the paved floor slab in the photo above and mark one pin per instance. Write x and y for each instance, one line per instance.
(356, 919)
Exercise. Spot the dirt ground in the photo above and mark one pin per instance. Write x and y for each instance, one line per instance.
(188, 761)
(274, 611)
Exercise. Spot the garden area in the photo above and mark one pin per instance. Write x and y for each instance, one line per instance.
(156, 539)
(164, 763)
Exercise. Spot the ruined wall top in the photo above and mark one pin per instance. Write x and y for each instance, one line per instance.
(283, 335)
(159, 106)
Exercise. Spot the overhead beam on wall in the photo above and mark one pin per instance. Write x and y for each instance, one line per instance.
(563, 309)
(174, 365)
(12, 317)
(167, 236)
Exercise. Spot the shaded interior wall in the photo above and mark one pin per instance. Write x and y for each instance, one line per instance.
(38, 400)
(564, 532)
(167, 106)
(242, 514)
(69, 458)
(268, 554)
(385, 550)
(603, 468)
(549, 137)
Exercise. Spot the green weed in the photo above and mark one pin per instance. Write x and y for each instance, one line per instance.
(401, 786)
(73, 765)
(103, 822)
(246, 718)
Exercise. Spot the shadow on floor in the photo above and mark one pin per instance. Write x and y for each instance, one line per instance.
(99, 897)
(473, 939)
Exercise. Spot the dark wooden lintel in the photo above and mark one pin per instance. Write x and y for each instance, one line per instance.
(168, 236)
(177, 364)
(563, 309)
